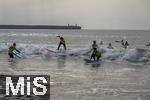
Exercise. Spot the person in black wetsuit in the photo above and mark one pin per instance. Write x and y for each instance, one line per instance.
(62, 42)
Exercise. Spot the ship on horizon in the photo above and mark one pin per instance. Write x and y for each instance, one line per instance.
(72, 27)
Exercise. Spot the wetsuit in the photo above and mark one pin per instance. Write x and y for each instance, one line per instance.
(126, 44)
(94, 45)
(62, 42)
(10, 51)
(97, 54)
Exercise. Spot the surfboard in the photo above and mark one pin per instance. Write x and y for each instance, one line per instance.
(51, 50)
(117, 41)
(61, 51)
(143, 49)
(18, 55)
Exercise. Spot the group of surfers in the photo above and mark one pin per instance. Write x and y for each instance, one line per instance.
(13, 48)
(95, 55)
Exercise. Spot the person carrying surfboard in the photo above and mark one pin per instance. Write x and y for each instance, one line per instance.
(11, 50)
(95, 54)
(62, 42)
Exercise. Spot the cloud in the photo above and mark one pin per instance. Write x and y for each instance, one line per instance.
(95, 14)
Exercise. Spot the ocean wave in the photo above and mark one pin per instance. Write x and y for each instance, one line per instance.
(130, 55)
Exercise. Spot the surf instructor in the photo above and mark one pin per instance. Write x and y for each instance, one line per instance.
(62, 42)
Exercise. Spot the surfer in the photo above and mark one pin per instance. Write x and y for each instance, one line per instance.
(94, 45)
(11, 50)
(95, 54)
(126, 44)
(62, 42)
(122, 43)
(110, 46)
(94, 49)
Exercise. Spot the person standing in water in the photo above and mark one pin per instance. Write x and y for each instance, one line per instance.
(94, 45)
(11, 50)
(110, 46)
(122, 43)
(126, 44)
(95, 54)
(62, 42)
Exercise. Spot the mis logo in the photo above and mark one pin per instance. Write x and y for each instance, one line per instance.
(34, 87)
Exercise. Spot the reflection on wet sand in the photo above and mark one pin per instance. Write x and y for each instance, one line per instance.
(61, 61)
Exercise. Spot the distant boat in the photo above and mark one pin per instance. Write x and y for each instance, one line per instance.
(40, 27)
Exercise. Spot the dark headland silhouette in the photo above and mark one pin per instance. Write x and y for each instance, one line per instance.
(40, 27)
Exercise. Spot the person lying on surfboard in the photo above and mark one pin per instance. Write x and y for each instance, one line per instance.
(11, 50)
(95, 54)
(62, 42)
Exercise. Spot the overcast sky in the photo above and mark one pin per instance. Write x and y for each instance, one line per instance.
(90, 14)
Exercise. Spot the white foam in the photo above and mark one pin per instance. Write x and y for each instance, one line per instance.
(132, 55)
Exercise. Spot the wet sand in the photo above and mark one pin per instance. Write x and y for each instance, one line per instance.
(73, 79)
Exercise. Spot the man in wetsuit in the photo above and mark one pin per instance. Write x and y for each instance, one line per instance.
(94, 49)
(95, 53)
(126, 44)
(94, 45)
(62, 42)
(11, 50)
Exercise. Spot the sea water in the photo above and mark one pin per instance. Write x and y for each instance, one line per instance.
(122, 74)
